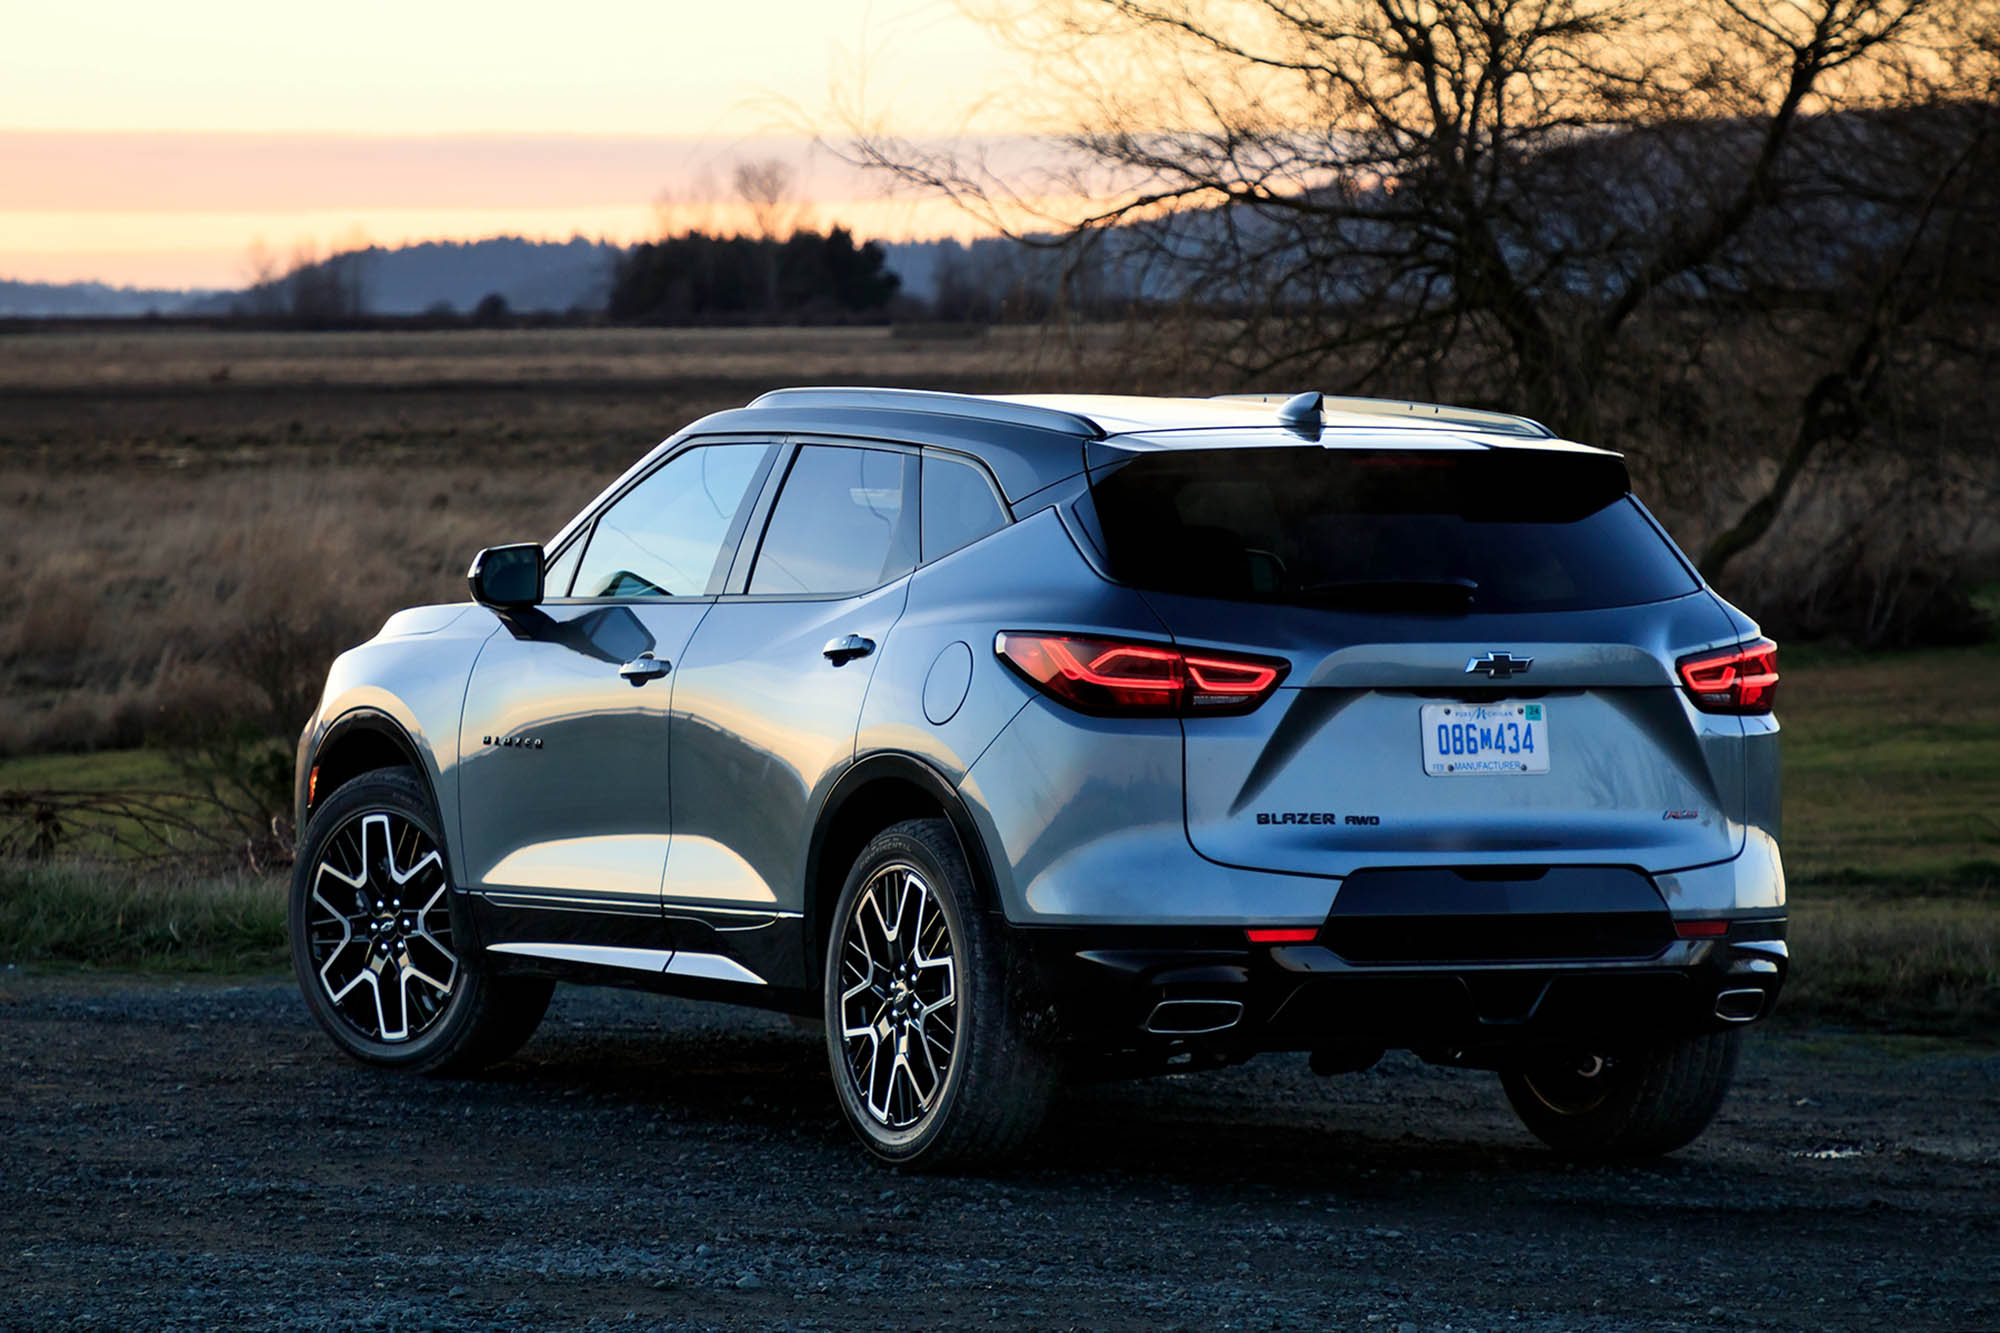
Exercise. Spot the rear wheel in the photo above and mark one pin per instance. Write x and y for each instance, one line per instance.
(1639, 1102)
(930, 1061)
(380, 944)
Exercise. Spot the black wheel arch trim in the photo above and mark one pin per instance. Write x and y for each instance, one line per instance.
(862, 774)
(372, 721)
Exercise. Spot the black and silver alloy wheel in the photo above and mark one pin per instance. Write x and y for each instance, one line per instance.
(385, 957)
(928, 1044)
(899, 978)
(379, 926)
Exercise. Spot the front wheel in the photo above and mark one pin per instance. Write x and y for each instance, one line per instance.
(1639, 1102)
(379, 939)
(930, 1060)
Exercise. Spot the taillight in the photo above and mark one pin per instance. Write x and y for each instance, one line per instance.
(1743, 679)
(1120, 677)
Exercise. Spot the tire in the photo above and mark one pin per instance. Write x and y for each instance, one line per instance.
(916, 972)
(1640, 1103)
(392, 981)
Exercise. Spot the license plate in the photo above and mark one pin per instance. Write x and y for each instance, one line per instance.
(1480, 740)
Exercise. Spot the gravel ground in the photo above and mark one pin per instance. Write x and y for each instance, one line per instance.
(194, 1154)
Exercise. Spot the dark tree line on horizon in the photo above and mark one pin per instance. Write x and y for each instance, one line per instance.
(697, 278)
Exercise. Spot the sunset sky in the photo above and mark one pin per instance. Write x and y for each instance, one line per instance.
(154, 144)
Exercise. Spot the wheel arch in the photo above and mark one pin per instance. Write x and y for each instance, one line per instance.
(877, 792)
(359, 741)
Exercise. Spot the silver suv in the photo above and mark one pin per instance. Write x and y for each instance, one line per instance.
(1017, 737)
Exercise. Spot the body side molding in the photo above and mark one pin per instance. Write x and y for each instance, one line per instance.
(667, 962)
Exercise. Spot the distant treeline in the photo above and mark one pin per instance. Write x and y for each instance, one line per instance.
(697, 278)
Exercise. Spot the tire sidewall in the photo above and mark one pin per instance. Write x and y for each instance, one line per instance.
(951, 888)
(390, 792)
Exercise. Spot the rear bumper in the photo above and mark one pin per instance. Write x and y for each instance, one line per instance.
(1167, 990)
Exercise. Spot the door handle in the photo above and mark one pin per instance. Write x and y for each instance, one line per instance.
(645, 667)
(846, 648)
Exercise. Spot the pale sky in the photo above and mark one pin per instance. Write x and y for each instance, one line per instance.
(152, 143)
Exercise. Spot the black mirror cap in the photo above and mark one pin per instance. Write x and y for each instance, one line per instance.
(507, 577)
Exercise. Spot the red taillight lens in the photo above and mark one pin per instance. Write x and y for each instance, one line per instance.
(1282, 934)
(1119, 677)
(1743, 679)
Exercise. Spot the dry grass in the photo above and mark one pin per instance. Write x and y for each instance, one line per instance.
(779, 356)
(1922, 965)
(126, 596)
(100, 917)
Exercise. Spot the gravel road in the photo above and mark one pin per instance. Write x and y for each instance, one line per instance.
(194, 1154)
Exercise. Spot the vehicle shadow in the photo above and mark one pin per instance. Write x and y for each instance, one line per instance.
(1270, 1123)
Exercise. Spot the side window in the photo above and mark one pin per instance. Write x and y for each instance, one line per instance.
(959, 506)
(843, 523)
(666, 536)
(555, 579)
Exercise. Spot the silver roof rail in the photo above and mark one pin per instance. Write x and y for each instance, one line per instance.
(942, 404)
(1500, 423)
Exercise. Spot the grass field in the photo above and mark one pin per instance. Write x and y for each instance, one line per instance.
(1892, 771)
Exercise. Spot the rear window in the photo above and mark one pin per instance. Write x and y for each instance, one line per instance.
(1424, 531)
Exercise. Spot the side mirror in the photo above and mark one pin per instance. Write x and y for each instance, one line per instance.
(507, 578)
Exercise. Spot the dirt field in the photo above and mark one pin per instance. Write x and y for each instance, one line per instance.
(197, 1155)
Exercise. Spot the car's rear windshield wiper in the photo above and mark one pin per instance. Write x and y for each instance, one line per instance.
(1435, 596)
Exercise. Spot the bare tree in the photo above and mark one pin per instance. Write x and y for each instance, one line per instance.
(1924, 301)
(261, 271)
(767, 188)
(1489, 196)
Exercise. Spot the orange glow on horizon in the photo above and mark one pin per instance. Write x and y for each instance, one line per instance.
(152, 145)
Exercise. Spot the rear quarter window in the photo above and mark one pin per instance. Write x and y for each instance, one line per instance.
(1431, 531)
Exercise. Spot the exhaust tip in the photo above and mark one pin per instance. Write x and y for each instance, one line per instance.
(1193, 1018)
(1739, 1006)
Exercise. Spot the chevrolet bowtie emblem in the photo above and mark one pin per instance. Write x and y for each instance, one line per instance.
(1499, 665)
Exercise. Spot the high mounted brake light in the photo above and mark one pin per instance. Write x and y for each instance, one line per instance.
(1119, 677)
(1743, 679)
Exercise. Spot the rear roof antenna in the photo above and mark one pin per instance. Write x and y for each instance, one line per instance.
(1301, 411)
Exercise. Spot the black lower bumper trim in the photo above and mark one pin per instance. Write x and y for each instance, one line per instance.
(1105, 984)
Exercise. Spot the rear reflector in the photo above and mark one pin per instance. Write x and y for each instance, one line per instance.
(1743, 679)
(1700, 930)
(1284, 935)
(1121, 677)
